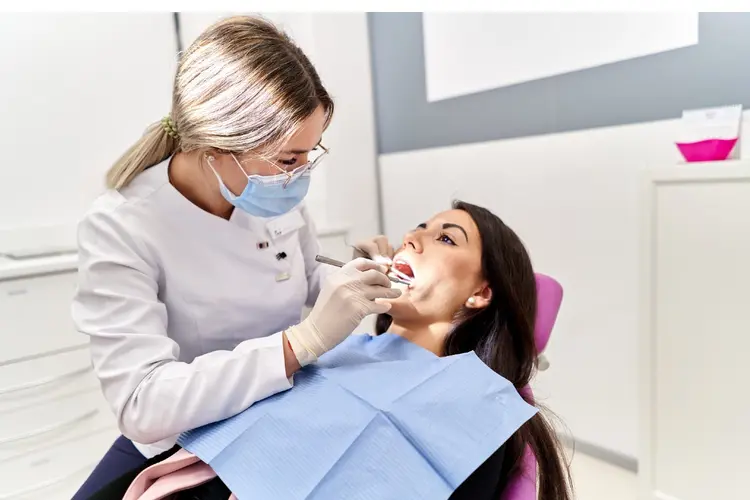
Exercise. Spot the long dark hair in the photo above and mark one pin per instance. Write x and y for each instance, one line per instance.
(502, 336)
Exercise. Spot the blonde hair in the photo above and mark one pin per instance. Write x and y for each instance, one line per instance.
(242, 86)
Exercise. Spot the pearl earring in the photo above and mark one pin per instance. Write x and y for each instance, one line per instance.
(472, 301)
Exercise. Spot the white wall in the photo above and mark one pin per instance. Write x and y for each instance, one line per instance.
(573, 198)
(466, 52)
(343, 191)
(77, 89)
(342, 58)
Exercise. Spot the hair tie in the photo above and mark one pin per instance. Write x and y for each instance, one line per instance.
(169, 127)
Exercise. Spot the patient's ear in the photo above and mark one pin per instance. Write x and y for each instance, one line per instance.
(481, 298)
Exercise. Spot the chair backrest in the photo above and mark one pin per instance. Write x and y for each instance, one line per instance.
(549, 297)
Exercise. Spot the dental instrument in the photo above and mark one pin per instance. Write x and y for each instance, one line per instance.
(337, 263)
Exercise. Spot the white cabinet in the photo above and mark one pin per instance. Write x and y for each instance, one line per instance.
(35, 316)
(53, 472)
(54, 422)
(695, 334)
(35, 381)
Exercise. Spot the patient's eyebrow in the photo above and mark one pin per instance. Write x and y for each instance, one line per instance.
(448, 225)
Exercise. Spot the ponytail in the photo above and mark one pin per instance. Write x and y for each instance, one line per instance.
(156, 145)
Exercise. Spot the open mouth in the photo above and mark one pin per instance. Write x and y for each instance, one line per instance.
(402, 269)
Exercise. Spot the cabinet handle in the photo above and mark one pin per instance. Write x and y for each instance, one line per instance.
(45, 484)
(49, 428)
(44, 381)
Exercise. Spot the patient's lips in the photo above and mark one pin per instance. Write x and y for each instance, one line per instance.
(403, 271)
(403, 267)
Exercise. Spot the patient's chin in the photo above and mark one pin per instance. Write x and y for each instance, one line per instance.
(397, 304)
(402, 307)
(404, 294)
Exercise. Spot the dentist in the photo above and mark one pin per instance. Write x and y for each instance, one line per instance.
(196, 263)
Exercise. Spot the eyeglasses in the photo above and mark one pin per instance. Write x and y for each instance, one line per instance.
(302, 169)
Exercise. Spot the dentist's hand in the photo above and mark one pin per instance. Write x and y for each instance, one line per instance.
(377, 249)
(346, 298)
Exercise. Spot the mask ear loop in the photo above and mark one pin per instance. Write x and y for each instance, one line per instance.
(210, 161)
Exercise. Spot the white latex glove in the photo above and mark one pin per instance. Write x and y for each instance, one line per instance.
(377, 249)
(346, 298)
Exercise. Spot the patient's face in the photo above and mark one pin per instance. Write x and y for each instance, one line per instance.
(445, 257)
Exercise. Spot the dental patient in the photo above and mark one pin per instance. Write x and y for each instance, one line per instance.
(472, 293)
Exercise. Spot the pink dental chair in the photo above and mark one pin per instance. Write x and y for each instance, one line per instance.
(549, 298)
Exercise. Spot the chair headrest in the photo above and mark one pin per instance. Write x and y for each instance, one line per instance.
(549, 297)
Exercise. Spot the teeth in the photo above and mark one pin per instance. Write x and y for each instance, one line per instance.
(398, 274)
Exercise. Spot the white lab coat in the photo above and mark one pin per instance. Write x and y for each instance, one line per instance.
(184, 309)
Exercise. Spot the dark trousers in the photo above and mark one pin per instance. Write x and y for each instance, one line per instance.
(121, 458)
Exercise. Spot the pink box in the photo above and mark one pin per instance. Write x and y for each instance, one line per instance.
(708, 150)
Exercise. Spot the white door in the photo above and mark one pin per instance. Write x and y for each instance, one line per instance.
(695, 405)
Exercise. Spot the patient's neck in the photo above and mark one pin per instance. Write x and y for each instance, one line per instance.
(429, 336)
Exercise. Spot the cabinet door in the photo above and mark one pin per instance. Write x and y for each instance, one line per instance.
(35, 316)
(695, 408)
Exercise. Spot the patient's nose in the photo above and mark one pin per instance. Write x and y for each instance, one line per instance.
(411, 241)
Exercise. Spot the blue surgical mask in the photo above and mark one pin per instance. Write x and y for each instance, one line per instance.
(268, 196)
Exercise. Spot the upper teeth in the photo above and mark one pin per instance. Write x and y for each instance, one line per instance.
(400, 274)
